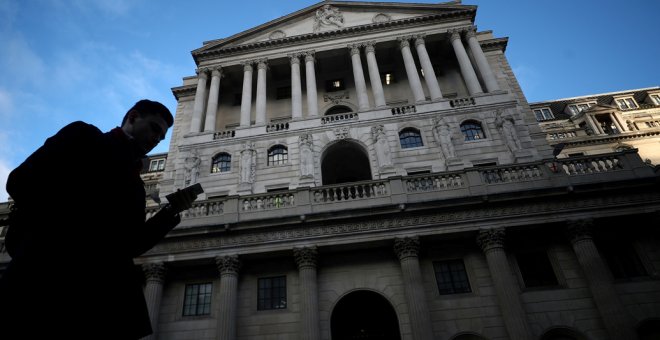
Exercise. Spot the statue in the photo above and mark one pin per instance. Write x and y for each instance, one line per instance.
(306, 157)
(442, 135)
(382, 147)
(191, 165)
(506, 124)
(328, 16)
(247, 164)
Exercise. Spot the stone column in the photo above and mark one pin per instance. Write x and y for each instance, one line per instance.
(228, 267)
(594, 124)
(310, 77)
(616, 319)
(296, 89)
(482, 63)
(306, 259)
(262, 66)
(374, 75)
(492, 243)
(407, 249)
(153, 293)
(616, 122)
(464, 62)
(429, 73)
(212, 107)
(200, 97)
(246, 98)
(411, 70)
(358, 75)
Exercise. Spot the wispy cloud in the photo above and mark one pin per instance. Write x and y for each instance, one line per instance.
(6, 105)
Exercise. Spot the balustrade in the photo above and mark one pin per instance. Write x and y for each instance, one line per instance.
(224, 134)
(591, 164)
(434, 182)
(268, 202)
(353, 191)
(461, 102)
(340, 117)
(511, 174)
(277, 127)
(404, 109)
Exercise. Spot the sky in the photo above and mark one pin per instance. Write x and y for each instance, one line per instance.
(90, 60)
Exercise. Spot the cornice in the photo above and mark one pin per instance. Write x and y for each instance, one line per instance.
(497, 44)
(348, 31)
(184, 91)
(610, 138)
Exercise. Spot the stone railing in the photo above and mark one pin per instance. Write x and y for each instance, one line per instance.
(582, 165)
(399, 110)
(434, 182)
(562, 135)
(350, 191)
(224, 134)
(268, 201)
(281, 126)
(512, 174)
(461, 102)
(340, 117)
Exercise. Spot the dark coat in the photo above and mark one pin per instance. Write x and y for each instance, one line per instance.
(78, 224)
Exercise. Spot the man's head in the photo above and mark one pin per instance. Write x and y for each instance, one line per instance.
(147, 122)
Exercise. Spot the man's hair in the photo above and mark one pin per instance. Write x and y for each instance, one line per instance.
(149, 107)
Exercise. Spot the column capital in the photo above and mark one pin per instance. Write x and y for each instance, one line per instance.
(228, 264)
(579, 230)
(216, 71)
(419, 39)
(309, 55)
(154, 271)
(455, 34)
(247, 65)
(294, 58)
(471, 32)
(354, 48)
(202, 72)
(262, 63)
(404, 41)
(306, 256)
(370, 46)
(406, 247)
(491, 239)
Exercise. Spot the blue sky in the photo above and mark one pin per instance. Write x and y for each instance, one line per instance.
(90, 60)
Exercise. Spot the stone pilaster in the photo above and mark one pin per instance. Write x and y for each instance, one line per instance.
(482, 63)
(358, 75)
(296, 88)
(407, 250)
(616, 319)
(153, 293)
(374, 74)
(212, 106)
(411, 70)
(306, 260)
(228, 267)
(246, 98)
(465, 64)
(200, 98)
(491, 242)
(310, 76)
(429, 73)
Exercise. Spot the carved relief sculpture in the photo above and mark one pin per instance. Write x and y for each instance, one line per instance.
(382, 147)
(306, 157)
(248, 166)
(442, 135)
(191, 165)
(328, 16)
(506, 124)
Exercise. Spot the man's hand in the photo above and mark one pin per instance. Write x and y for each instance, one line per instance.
(183, 199)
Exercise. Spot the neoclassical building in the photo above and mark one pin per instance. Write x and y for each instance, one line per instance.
(372, 170)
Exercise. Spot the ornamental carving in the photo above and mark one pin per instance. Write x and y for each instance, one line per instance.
(154, 271)
(406, 247)
(381, 17)
(306, 256)
(328, 16)
(336, 97)
(341, 133)
(229, 264)
(306, 156)
(491, 239)
(277, 35)
(579, 230)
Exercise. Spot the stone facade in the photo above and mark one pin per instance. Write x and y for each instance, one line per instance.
(374, 170)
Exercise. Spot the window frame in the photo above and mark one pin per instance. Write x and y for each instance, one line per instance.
(655, 98)
(160, 165)
(467, 136)
(330, 87)
(577, 108)
(543, 116)
(413, 133)
(206, 305)
(626, 103)
(450, 261)
(216, 161)
(274, 160)
(269, 302)
(559, 282)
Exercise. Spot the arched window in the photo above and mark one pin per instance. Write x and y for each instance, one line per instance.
(472, 130)
(335, 110)
(221, 163)
(410, 138)
(277, 155)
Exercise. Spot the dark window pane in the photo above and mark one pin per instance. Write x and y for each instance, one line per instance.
(277, 155)
(451, 277)
(410, 138)
(472, 131)
(536, 269)
(197, 299)
(221, 163)
(271, 293)
(623, 260)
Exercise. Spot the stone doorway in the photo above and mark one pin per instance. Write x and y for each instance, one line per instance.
(345, 162)
(365, 315)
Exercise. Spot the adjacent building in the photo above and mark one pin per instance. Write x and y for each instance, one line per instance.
(372, 170)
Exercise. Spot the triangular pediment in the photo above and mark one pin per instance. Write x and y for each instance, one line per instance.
(330, 16)
(600, 108)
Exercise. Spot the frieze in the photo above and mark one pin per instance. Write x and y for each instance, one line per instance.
(438, 220)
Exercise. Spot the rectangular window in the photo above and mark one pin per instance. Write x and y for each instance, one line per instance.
(656, 99)
(198, 299)
(536, 269)
(577, 108)
(451, 277)
(283, 92)
(271, 293)
(157, 165)
(543, 114)
(334, 85)
(623, 260)
(387, 78)
(626, 103)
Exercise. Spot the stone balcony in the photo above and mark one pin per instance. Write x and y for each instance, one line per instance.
(399, 192)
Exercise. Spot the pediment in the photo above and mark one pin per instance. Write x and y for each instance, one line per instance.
(330, 16)
(601, 108)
